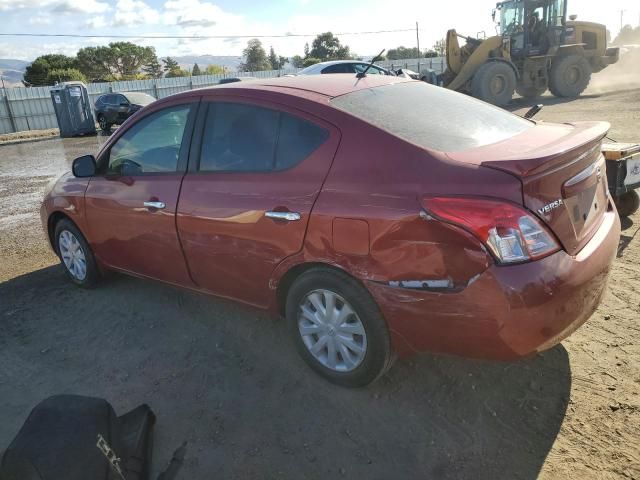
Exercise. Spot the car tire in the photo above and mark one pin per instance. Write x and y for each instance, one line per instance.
(569, 76)
(494, 82)
(627, 204)
(75, 255)
(360, 339)
(104, 125)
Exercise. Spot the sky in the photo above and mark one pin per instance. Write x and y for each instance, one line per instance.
(256, 18)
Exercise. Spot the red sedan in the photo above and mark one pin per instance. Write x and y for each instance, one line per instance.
(379, 215)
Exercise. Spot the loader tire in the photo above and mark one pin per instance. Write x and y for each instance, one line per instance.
(494, 82)
(569, 76)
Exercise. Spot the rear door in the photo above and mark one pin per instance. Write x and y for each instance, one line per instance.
(131, 204)
(257, 170)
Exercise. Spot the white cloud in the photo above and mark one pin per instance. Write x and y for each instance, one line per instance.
(134, 12)
(83, 6)
(97, 22)
(40, 20)
(21, 4)
(194, 13)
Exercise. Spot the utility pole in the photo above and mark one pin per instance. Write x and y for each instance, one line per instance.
(2, 78)
(418, 44)
(621, 19)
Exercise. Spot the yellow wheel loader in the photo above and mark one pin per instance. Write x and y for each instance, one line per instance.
(536, 49)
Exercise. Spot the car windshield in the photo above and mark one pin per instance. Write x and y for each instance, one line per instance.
(432, 117)
(138, 98)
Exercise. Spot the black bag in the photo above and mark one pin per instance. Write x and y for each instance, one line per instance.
(70, 437)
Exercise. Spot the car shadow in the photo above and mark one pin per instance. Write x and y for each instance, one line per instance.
(228, 380)
(627, 235)
(546, 100)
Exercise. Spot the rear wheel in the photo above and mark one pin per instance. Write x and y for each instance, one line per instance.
(75, 254)
(104, 125)
(530, 92)
(338, 328)
(627, 204)
(494, 82)
(569, 76)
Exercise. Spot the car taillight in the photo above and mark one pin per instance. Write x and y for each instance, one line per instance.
(511, 233)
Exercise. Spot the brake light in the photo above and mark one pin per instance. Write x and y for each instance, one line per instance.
(511, 233)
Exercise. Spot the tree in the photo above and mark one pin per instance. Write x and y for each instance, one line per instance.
(196, 70)
(37, 73)
(297, 61)
(153, 68)
(440, 47)
(95, 62)
(214, 70)
(255, 58)
(178, 72)
(118, 60)
(276, 62)
(430, 54)
(307, 62)
(628, 35)
(401, 53)
(65, 75)
(170, 65)
(326, 46)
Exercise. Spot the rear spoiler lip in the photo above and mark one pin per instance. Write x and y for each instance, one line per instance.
(514, 157)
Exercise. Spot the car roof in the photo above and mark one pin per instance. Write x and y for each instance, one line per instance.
(321, 86)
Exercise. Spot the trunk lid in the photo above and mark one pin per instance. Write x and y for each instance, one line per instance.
(562, 170)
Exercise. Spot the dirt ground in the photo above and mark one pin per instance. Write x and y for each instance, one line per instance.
(228, 381)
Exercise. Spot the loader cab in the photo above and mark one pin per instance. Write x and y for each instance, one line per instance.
(532, 26)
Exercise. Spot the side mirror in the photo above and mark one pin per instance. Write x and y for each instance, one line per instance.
(84, 166)
(124, 104)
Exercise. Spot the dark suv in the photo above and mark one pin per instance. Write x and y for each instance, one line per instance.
(115, 108)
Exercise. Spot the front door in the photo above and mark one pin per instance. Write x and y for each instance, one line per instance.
(131, 204)
(246, 204)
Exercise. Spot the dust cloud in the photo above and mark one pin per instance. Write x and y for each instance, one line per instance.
(623, 75)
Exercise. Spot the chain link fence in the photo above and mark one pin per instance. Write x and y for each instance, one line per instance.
(23, 109)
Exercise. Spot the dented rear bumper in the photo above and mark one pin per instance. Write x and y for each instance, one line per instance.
(508, 312)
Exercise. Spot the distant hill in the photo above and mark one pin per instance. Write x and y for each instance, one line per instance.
(12, 71)
(187, 61)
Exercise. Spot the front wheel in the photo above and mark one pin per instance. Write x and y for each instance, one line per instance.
(104, 125)
(75, 254)
(338, 328)
(494, 82)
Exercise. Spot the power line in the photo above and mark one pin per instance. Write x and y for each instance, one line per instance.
(195, 37)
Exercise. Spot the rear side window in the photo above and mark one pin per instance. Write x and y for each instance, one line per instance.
(432, 117)
(247, 138)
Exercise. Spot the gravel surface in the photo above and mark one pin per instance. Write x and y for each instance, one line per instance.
(227, 380)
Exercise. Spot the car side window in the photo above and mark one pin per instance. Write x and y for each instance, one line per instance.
(248, 138)
(151, 145)
(120, 99)
(109, 100)
(361, 67)
(339, 68)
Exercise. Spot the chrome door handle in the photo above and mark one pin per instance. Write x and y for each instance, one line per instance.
(158, 205)
(288, 216)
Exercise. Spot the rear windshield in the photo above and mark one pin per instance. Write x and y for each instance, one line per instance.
(432, 117)
(139, 98)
